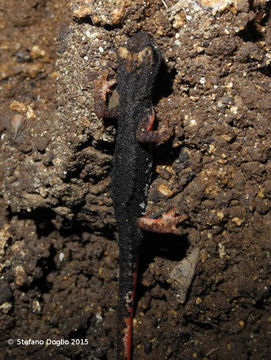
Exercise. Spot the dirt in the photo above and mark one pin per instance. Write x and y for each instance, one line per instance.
(58, 248)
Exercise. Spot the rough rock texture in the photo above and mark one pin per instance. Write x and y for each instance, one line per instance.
(57, 230)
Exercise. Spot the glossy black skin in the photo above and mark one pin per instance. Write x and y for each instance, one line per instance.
(138, 65)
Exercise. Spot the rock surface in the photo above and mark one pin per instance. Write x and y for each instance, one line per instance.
(57, 231)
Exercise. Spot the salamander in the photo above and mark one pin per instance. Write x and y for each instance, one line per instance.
(138, 65)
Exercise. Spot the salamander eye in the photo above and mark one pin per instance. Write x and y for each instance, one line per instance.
(146, 55)
(124, 53)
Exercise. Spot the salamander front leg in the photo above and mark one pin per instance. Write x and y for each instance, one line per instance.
(102, 87)
(145, 134)
(166, 224)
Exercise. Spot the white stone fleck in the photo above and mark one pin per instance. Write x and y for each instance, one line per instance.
(193, 122)
(6, 307)
(177, 42)
(36, 307)
(61, 256)
(142, 205)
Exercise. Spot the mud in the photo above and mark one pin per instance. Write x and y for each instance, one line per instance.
(58, 242)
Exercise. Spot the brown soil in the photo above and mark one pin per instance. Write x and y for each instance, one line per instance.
(59, 257)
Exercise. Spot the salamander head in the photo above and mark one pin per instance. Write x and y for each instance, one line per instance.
(139, 62)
